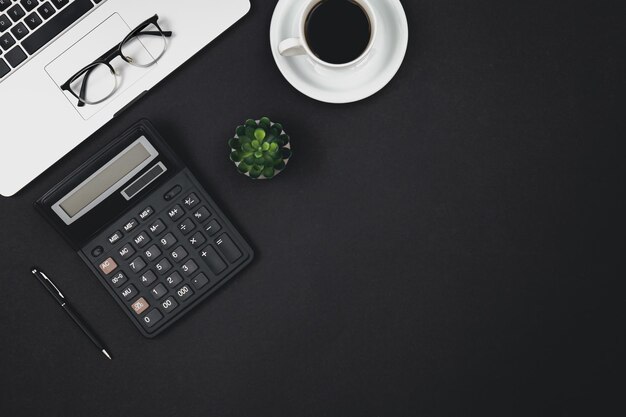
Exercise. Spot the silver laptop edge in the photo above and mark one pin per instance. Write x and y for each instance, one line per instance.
(40, 123)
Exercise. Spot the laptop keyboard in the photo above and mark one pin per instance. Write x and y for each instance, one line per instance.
(26, 26)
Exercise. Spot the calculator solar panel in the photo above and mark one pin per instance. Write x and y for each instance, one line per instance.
(147, 229)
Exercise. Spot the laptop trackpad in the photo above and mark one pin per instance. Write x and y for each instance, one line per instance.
(108, 34)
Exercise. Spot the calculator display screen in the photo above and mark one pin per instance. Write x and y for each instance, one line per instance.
(105, 181)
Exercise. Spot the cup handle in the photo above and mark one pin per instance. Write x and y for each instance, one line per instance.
(291, 47)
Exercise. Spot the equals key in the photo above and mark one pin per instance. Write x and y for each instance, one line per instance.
(228, 248)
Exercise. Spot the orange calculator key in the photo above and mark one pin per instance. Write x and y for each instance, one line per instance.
(140, 305)
(108, 266)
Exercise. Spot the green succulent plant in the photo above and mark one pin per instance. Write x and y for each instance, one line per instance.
(260, 148)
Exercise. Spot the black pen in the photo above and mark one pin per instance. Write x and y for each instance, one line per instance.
(64, 303)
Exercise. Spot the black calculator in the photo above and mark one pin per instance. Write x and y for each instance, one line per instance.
(146, 228)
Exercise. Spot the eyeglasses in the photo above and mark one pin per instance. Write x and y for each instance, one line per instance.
(98, 81)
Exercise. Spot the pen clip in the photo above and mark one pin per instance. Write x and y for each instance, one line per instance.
(51, 283)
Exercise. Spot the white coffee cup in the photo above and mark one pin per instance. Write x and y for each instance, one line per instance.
(299, 46)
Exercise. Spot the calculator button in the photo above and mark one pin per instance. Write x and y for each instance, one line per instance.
(115, 237)
(186, 226)
(212, 227)
(132, 223)
(172, 193)
(179, 254)
(97, 251)
(157, 228)
(174, 279)
(168, 241)
(152, 252)
(228, 248)
(129, 292)
(191, 201)
(197, 240)
(202, 214)
(126, 251)
(212, 259)
(148, 278)
(152, 318)
(169, 304)
(159, 291)
(189, 267)
(142, 239)
(163, 266)
(184, 293)
(137, 264)
(140, 305)
(118, 279)
(200, 281)
(108, 266)
(147, 212)
(176, 212)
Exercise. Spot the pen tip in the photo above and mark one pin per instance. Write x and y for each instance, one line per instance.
(106, 354)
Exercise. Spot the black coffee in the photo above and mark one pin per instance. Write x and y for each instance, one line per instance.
(337, 31)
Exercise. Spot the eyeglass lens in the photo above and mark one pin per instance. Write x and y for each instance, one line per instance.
(145, 47)
(95, 84)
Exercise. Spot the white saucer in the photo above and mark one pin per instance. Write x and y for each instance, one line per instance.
(342, 85)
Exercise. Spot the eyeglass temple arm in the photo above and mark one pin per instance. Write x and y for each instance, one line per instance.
(166, 33)
(83, 89)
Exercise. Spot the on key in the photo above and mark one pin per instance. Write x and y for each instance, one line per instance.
(172, 193)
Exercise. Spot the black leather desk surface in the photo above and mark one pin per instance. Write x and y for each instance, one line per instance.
(440, 248)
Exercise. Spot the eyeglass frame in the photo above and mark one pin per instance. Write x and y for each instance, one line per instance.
(110, 55)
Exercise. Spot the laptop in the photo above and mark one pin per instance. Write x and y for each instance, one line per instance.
(44, 43)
